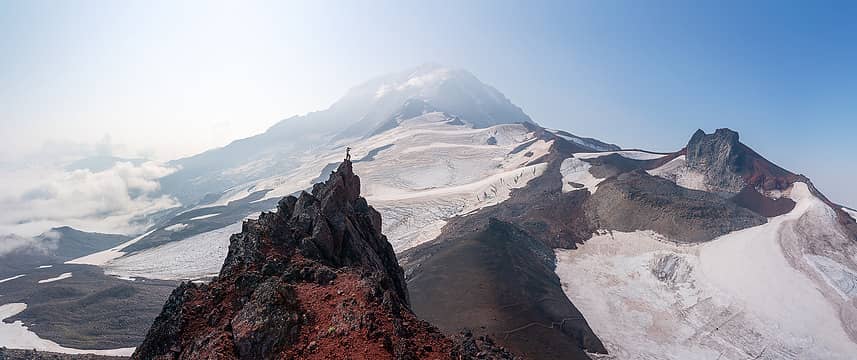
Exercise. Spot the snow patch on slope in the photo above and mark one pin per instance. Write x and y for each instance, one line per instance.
(17, 336)
(198, 256)
(62, 276)
(204, 216)
(576, 176)
(677, 171)
(176, 227)
(851, 213)
(12, 278)
(739, 296)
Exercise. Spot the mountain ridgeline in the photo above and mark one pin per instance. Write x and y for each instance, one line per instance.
(367, 109)
(472, 232)
(327, 244)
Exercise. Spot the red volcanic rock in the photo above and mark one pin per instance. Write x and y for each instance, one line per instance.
(314, 280)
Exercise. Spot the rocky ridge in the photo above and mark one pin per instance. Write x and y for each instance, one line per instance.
(314, 280)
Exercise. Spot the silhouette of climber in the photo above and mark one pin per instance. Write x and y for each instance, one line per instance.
(347, 154)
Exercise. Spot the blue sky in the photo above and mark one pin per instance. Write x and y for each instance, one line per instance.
(639, 74)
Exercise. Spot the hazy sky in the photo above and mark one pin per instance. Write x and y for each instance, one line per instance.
(168, 79)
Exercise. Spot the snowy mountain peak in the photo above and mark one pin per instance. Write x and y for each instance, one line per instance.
(371, 108)
(423, 79)
(451, 90)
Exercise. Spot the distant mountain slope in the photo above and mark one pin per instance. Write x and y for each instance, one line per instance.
(69, 243)
(367, 109)
(56, 246)
(100, 163)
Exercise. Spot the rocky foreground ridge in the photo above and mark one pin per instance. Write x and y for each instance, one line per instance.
(314, 280)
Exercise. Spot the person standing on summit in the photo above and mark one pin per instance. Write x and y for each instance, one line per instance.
(347, 154)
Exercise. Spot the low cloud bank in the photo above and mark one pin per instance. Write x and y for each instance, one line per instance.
(116, 200)
(12, 242)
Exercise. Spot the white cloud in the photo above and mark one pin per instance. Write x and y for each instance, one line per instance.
(40, 244)
(34, 198)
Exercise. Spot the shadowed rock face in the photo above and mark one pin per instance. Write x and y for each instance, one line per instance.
(316, 279)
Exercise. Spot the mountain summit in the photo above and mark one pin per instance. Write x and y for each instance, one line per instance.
(368, 108)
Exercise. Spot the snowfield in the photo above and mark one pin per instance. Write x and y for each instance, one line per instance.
(16, 336)
(421, 172)
(435, 171)
(412, 218)
(196, 257)
(750, 294)
(62, 276)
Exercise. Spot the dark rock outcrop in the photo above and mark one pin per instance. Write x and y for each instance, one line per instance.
(719, 158)
(315, 279)
(729, 166)
(470, 346)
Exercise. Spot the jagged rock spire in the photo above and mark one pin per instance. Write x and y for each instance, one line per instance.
(265, 303)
